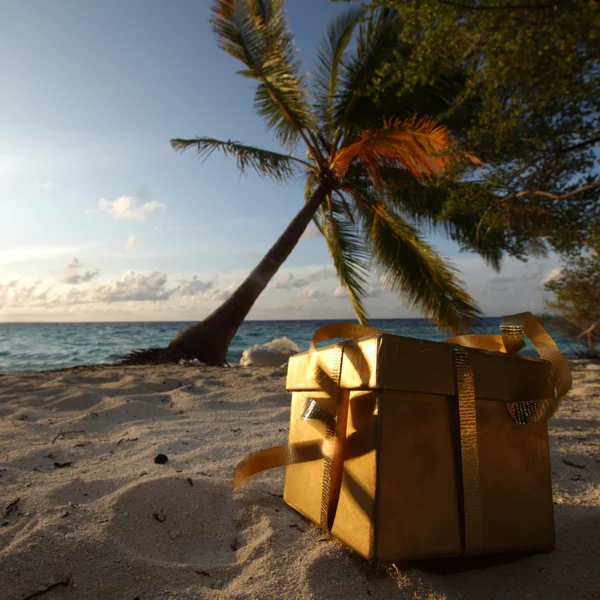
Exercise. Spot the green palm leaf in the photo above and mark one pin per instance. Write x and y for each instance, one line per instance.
(351, 259)
(426, 204)
(376, 41)
(265, 162)
(256, 33)
(413, 269)
(329, 59)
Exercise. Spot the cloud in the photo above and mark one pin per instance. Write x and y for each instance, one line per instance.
(130, 287)
(126, 208)
(311, 295)
(288, 281)
(133, 287)
(132, 242)
(70, 273)
(220, 295)
(145, 291)
(45, 185)
(372, 290)
(322, 274)
(194, 286)
(553, 274)
(18, 295)
(375, 290)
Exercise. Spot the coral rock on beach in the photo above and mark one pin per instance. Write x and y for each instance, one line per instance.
(271, 354)
(109, 523)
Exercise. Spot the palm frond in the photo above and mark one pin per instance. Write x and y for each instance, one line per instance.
(265, 162)
(414, 270)
(426, 204)
(256, 33)
(377, 39)
(329, 59)
(420, 146)
(351, 259)
(435, 98)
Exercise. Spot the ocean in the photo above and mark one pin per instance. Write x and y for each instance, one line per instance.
(43, 346)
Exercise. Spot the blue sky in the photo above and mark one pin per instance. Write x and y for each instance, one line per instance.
(101, 220)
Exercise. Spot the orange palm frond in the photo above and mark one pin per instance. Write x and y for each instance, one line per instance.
(421, 146)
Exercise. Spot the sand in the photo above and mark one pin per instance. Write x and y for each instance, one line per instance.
(85, 512)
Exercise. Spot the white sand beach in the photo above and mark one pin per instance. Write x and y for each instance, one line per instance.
(85, 512)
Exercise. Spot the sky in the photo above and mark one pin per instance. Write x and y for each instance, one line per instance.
(100, 220)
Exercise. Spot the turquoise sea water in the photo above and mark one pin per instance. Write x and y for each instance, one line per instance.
(42, 346)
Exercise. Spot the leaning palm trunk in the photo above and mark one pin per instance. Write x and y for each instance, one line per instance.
(209, 340)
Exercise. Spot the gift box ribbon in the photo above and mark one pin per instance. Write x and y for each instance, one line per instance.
(334, 447)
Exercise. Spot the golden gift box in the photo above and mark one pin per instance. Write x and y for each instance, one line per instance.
(406, 448)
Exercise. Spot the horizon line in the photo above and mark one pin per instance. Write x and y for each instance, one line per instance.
(246, 321)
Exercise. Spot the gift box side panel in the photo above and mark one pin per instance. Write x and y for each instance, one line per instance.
(419, 493)
(304, 482)
(419, 512)
(516, 487)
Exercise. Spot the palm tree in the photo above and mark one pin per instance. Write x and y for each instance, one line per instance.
(369, 181)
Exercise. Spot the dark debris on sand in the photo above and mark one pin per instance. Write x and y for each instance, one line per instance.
(153, 356)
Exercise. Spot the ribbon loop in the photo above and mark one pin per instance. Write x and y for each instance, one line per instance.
(515, 327)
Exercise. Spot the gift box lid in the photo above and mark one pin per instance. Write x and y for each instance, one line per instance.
(391, 362)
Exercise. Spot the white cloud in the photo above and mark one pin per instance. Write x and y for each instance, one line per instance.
(70, 273)
(17, 294)
(375, 290)
(221, 294)
(46, 185)
(126, 208)
(193, 287)
(288, 281)
(311, 295)
(322, 274)
(133, 287)
(161, 295)
(553, 274)
(22, 298)
(132, 242)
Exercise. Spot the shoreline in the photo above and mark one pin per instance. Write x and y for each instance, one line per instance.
(89, 512)
(64, 346)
